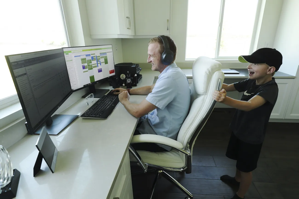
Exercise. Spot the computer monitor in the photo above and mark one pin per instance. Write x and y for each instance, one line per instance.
(42, 84)
(87, 65)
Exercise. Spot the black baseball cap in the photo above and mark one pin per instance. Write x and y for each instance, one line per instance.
(270, 56)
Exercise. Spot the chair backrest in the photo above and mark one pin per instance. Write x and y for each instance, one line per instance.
(207, 77)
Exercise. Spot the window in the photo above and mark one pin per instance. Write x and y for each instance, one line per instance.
(221, 29)
(27, 26)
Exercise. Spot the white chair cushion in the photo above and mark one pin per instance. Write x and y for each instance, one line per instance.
(158, 139)
(171, 159)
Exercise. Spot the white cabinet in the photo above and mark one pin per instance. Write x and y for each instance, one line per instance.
(152, 17)
(293, 104)
(122, 188)
(110, 18)
(280, 108)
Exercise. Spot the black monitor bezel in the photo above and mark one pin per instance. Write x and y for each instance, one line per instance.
(30, 128)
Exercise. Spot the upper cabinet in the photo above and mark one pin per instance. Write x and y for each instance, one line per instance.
(110, 18)
(152, 17)
(128, 18)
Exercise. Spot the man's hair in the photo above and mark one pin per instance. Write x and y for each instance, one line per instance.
(171, 44)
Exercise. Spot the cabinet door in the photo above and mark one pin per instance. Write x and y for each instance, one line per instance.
(280, 107)
(110, 18)
(126, 17)
(293, 105)
(122, 188)
(152, 17)
(102, 17)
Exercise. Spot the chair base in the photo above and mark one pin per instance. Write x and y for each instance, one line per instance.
(144, 167)
(172, 180)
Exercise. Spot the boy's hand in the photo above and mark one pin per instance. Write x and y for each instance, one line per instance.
(219, 96)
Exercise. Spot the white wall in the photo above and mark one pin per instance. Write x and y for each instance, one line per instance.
(270, 13)
(287, 36)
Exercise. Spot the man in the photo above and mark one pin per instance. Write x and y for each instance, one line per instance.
(167, 104)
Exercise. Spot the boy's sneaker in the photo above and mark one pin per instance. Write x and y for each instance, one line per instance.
(229, 180)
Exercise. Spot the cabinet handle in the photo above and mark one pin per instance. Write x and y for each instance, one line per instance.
(129, 23)
(167, 24)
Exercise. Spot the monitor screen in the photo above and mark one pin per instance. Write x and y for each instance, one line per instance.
(87, 65)
(42, 84)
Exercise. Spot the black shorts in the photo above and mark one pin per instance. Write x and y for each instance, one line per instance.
(246, 154)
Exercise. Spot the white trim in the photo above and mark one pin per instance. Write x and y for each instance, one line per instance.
(255, 31)
(8, 101)
(64, 23)
(219, 32)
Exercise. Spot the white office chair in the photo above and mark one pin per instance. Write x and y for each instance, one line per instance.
(207, 77)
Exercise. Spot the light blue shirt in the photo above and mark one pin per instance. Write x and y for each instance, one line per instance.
(171, 96)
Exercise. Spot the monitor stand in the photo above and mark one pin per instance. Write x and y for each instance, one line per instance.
(57, 123)
(98, 93)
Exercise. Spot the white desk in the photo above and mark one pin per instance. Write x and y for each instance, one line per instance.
(91, 155)
(92, 161)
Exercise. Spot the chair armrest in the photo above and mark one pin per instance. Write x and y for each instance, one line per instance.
(157, 139)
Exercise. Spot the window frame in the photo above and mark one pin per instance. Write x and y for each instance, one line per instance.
(8, 101)
(253, 43)
(13, 99)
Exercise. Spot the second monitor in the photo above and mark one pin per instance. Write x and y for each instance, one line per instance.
(88, 65)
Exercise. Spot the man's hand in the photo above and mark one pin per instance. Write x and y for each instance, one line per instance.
(117, 91)
(123, 96)
(219, 96)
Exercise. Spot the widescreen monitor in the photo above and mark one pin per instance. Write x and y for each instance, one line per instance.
(87, 65)
(42, 84)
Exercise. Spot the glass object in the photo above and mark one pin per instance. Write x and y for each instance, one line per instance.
(6, 170)
(89, 99)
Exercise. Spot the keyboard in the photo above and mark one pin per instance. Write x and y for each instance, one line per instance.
(102, 108)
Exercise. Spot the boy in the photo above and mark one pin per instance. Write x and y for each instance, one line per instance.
(252, 114)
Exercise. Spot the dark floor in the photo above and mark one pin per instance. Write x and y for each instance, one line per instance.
(276, 177)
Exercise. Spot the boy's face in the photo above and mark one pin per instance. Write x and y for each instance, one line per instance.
(259, 71)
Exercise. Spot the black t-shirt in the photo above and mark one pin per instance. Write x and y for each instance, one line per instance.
(250, 126)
